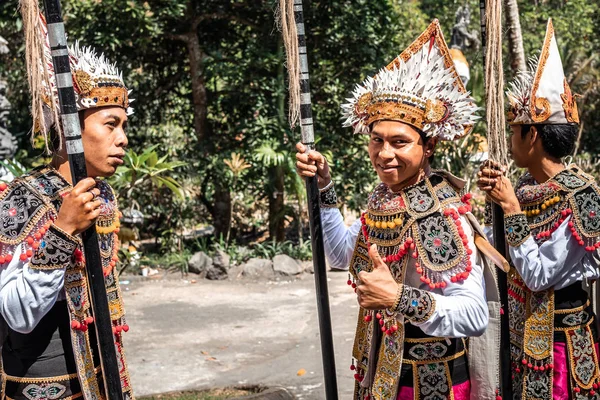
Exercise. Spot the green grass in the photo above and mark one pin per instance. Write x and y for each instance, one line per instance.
(217, 394)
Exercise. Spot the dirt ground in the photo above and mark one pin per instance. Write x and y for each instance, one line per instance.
(209, 334)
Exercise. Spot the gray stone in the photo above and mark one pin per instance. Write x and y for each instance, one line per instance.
(258, 268)
(236, 272)
(222, 259)
(217, 273)
(308, 266)
(200, 263)
(286, 265)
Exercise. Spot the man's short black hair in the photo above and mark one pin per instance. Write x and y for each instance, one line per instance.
(557, 140)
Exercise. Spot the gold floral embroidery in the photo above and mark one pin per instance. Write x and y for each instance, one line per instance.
(539, 108)
(569, 104)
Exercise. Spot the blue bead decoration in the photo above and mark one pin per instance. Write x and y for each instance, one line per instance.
(414, 303)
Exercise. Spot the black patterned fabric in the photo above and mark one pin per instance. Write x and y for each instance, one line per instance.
(488, 219)
(55, 251)
(329, 198)
(517, 229)
(416, 305)
(586, 208)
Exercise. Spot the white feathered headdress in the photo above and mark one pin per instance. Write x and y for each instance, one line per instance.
(421, 87)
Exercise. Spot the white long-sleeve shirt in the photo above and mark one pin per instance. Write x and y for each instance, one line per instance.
(27, 294)
(557, 263)
(461, 309)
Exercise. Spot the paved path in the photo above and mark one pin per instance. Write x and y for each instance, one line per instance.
(214, 334)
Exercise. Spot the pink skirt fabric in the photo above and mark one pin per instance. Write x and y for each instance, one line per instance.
(461, 391)
(560, 386)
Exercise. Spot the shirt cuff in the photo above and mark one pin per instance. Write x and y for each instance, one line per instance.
(417, 305)
(517, 229)
(328, 197)
(488, 219)
(55, 250)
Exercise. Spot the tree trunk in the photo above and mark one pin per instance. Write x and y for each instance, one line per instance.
(221, 211)
(276, 205)
(196, 56)
(515, 37)
(276, 199)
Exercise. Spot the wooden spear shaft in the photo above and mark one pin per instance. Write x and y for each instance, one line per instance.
(72, 132)
(500, 245)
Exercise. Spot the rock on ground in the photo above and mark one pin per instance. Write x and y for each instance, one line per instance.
(286, 265)
(222, 259)
(258, 268)
(200, 263)
(217, 273)
(309, 267)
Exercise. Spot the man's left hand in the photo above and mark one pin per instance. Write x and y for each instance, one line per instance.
(377, 289)
(498, 188)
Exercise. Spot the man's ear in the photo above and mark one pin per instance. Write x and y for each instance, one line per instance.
(534, 135)
(430, 146)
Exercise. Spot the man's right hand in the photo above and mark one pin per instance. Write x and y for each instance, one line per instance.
(307, 164)
(79, 208)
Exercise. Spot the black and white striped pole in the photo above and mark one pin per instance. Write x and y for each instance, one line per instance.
(314, 213)
(74, 146)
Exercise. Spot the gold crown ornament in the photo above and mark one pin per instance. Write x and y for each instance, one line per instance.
(421, 87)
(96, 81)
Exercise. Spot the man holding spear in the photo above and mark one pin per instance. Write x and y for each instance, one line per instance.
(50, 350)
(417, 259)
(552, 221)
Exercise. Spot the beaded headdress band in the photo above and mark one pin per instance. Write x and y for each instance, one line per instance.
(421, 87)
(96, 81)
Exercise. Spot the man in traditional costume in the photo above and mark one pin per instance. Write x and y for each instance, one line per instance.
(552, 221)
(413, 256)
(50, 350)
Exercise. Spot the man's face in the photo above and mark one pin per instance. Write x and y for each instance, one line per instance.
(396, 151)
(519, 146)
(104, 140)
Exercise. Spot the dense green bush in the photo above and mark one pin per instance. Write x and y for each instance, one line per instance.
(231, 152)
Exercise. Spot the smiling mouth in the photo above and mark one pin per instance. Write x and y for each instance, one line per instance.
(388, 168)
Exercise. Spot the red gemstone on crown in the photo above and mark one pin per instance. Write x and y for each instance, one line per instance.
(12, 212)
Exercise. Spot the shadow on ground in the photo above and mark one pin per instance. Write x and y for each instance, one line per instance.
(189, 336)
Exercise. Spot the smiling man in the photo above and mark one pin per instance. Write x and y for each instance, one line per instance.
(50, 348)
(419, 277)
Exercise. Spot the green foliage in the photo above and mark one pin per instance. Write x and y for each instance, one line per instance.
(214, 394)
(13, 167)
(176, 175)
(270, 249)
(171, 261)
(143, 172)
